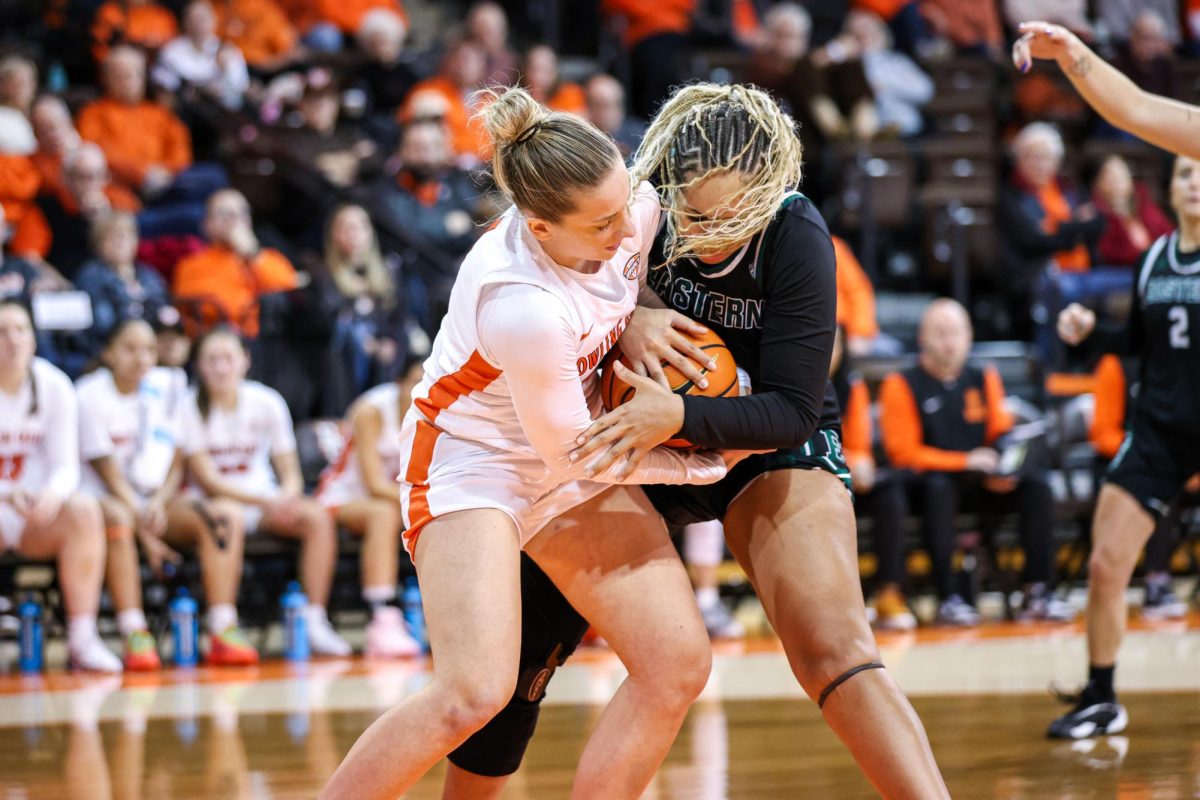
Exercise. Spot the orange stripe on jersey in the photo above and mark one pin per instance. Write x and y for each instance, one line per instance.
(474, 376)
(418, 477)
(330, 473)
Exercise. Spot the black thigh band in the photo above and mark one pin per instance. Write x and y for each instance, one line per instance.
(845, 676)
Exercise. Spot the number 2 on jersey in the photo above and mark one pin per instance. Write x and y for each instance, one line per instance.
(1178, 334)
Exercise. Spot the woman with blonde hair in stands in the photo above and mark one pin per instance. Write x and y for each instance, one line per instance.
(486, 472)
(43, 514)
(241, 447)
(359, 489)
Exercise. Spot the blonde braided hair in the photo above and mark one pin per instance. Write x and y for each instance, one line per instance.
(706, 129)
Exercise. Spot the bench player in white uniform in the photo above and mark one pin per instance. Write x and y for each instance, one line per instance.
(42, 513)
(240, 445)
(128, 439)
(510, 385)
(359, 489)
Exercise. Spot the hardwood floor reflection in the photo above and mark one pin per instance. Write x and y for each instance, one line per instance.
(989, 747)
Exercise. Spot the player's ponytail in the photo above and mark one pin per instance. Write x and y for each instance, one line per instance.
(541, 157)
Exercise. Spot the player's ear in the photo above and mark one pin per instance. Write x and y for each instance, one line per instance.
(539, 227)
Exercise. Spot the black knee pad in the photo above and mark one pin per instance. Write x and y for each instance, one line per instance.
(550, 631)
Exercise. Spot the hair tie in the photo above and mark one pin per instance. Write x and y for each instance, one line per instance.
(528, 133)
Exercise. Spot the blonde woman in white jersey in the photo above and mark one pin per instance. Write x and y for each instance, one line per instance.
(509, 387)
(240, 446)
(359, 489)
(42, 512)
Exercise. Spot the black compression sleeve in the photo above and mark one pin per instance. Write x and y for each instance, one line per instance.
(799, 315)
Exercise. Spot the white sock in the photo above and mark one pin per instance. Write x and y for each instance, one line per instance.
(131, 620)
(378, 597)
(707, 597)
(82, 629)
(221, 616)
(315, 615)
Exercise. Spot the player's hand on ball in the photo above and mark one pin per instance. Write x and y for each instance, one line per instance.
(1076, 323)
(654, 415)
(655, 335)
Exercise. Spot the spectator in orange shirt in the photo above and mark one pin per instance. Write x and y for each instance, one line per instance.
(855, 301)
(261, 30)
(448, 96)
(222, 282)
(148, 148)
(941, 421)
(487, 26)
(656, 35)
(541, 78)
(971, 26)
(19, 184)
(143, 23)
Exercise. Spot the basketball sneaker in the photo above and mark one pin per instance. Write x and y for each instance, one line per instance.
(91, 655)
(891, 611)
(1041, 605)
(231, 648)
(388, 636)
(956, 611)
(323, 640)
(1161, 602)
(1092, 715)
(720, 623)
(141, 652)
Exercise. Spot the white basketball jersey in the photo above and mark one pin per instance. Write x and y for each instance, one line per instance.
(242, 441)
(467, 396)
(342, 481)
(39, 434)
(140, 430)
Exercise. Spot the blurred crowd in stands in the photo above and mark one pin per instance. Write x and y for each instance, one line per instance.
(308, 175)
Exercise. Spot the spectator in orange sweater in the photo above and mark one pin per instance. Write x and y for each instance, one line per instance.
(143, 23)
(656, 35)
(148, 148)
(539, 75)
(222, 282)
(855, 301)
(448, 96)
(259, 28)
(19, 185)
(941, 421)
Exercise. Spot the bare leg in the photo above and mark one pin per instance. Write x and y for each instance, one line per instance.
(76, 538)
(793, 532)
(1119, 533)
(463, 785)
(318, 547)
(612, 559)
(470, 580)
(123, 578)
(220, 566)
(378, 522)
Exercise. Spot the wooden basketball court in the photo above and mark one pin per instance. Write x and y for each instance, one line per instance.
(278, 731)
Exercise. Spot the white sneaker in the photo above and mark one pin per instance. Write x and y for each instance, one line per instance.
(323, 640)
(388, 636)
(91, 655)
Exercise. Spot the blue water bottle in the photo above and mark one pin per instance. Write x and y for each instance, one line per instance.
(414, 613)
(30, 614)
(184, 629)
(295, 634)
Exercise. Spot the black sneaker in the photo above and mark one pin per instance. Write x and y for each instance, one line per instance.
(1091, 716)
(1162, 603)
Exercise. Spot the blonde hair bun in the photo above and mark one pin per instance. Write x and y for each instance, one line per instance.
(509, 113)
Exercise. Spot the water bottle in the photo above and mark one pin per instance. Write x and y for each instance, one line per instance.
(30, 613)
(184, 629)
(414, 614)
(295, 634)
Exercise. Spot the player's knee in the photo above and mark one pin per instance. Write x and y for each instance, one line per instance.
(679, 671)
(830, 650)
(471, 704)
(1107, 569)
(117, 516)
(82, 516)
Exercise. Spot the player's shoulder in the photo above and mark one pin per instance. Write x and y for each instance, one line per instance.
(94, 384)
(49, 376)
(797, 211)
(381, 395)
(261, 395)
